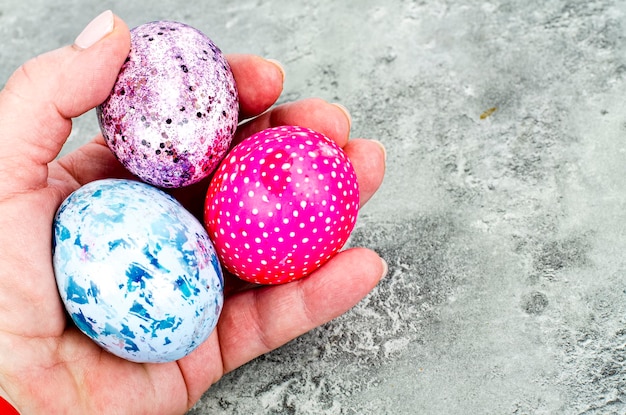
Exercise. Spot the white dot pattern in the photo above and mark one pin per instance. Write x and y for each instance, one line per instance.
(281, 205)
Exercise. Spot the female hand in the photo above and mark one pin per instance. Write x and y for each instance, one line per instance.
(46, 364)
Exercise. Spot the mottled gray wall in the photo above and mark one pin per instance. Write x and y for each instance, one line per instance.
(505, 234)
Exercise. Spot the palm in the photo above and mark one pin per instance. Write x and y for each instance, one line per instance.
(46, 364)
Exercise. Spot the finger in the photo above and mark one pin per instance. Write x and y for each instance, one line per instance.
(43, 95)
(259, 82)
(257, 321)
(368, 158)
(332, 120)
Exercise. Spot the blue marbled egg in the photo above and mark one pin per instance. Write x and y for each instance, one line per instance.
(136, 271)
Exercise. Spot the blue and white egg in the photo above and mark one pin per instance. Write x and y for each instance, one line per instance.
(136, 271)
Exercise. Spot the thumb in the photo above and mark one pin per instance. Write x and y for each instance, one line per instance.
(41, 97)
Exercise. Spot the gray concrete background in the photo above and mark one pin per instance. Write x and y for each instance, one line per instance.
(505, 236)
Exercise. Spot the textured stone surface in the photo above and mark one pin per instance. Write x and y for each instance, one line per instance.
(504, 229)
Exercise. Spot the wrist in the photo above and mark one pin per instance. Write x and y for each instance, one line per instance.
(7, 407)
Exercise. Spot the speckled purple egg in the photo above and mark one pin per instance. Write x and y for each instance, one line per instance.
(174, 108)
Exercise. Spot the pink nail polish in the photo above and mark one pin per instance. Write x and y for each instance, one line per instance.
(95, 30)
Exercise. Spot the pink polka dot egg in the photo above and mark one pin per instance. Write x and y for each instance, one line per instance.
(281, 204)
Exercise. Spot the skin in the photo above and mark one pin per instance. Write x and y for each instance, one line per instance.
(46, 364)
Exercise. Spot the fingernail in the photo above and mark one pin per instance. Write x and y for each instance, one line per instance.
(346, 112)
(385, 268)
(382, 146)
(278, 65)
(95, 30)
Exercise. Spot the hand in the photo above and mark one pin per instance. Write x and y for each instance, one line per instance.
(46, 364)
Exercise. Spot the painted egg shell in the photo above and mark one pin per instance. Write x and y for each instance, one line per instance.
(174, 108)
(282, 203)
(137, 272)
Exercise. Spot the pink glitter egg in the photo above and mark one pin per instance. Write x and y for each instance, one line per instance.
(174, 108)
(281, 204)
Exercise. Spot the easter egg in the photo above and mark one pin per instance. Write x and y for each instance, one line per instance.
(136, 272)
(281, 204)
(174, 108)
